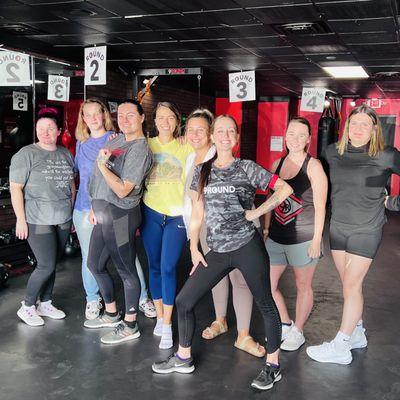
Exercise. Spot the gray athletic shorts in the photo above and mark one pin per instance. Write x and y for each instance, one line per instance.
(289, 254)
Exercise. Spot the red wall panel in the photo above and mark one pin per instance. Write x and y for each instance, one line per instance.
(223, 106)
(272, 121)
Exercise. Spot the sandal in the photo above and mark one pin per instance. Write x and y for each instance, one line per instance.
(215, 329)
(255, 349)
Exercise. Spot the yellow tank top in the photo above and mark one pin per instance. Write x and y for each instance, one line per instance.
(165, 183)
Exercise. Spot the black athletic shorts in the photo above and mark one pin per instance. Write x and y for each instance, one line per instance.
(355, 241)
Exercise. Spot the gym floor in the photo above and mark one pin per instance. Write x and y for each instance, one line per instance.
(63, 360)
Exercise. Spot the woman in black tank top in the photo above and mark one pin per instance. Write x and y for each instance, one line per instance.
(294, 229)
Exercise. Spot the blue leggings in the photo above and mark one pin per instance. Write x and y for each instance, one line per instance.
(163, 239)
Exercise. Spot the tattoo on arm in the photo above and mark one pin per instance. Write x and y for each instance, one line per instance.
(270, 204)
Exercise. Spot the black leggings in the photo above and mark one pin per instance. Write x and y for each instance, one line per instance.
(253, 262)
(114, 235)
(47, 243)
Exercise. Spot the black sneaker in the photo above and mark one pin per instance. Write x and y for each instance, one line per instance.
(173, 364)
(267, 377)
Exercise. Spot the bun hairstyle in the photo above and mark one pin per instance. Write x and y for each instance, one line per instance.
(82, 132)
(206, 167)
(50, 113)
(304, 121)
(204, 113)
(172, 107)
(376, 143)
(135, 103)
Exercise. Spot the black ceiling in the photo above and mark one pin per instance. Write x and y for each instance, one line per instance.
(221, 36)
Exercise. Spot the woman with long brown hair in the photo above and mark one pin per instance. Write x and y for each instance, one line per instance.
(198, 134)
(163, 230)
(359, 165)
(223, 191)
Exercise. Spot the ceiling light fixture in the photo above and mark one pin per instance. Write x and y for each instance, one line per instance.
(348, 72)
(59, 62)
(134, 16)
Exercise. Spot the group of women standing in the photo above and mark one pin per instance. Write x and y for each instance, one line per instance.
(174, 189)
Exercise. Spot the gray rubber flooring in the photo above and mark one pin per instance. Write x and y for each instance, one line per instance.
(63, 360)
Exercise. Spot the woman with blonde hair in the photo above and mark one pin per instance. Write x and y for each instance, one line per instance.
(93, 130)
(360, 165)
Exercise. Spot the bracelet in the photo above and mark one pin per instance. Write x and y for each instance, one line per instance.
(101, 160)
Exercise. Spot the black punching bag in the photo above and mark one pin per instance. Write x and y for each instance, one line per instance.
(326, 131)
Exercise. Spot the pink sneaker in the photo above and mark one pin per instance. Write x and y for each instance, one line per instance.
(30, 315)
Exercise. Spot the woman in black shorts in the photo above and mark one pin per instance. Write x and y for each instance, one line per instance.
(223, 191)
(360, 166)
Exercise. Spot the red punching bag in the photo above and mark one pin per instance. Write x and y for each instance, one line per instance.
(66, 138)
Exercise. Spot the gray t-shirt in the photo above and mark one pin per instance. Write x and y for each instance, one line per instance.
(228, 194)
(130, 161)
(46, 176)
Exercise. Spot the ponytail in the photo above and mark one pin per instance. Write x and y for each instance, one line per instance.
(205, 174)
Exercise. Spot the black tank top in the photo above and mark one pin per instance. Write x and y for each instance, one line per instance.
(292, 221)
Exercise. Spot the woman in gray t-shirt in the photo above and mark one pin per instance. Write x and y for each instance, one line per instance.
(42, 193)
(116, 188)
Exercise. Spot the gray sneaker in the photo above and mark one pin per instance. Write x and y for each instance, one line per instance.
(121, 333)
(173, 364)
(102, 321)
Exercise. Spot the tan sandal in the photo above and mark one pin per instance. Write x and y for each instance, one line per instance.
(215, 329)
(255, 349)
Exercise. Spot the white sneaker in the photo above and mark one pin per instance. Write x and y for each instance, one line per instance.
(286, 329)
(358, 340)
(93, 309)
(29, 315)
(46, 309)
(146, 306)
(294, 340)
(158, 328)
(166, 337)
(331, 352)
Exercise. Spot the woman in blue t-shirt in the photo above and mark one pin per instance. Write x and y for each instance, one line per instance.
(92, 131)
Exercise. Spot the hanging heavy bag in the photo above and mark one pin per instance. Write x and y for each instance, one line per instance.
(326, 131)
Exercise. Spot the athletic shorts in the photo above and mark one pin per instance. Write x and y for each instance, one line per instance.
(355, 241)
(289, 254)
